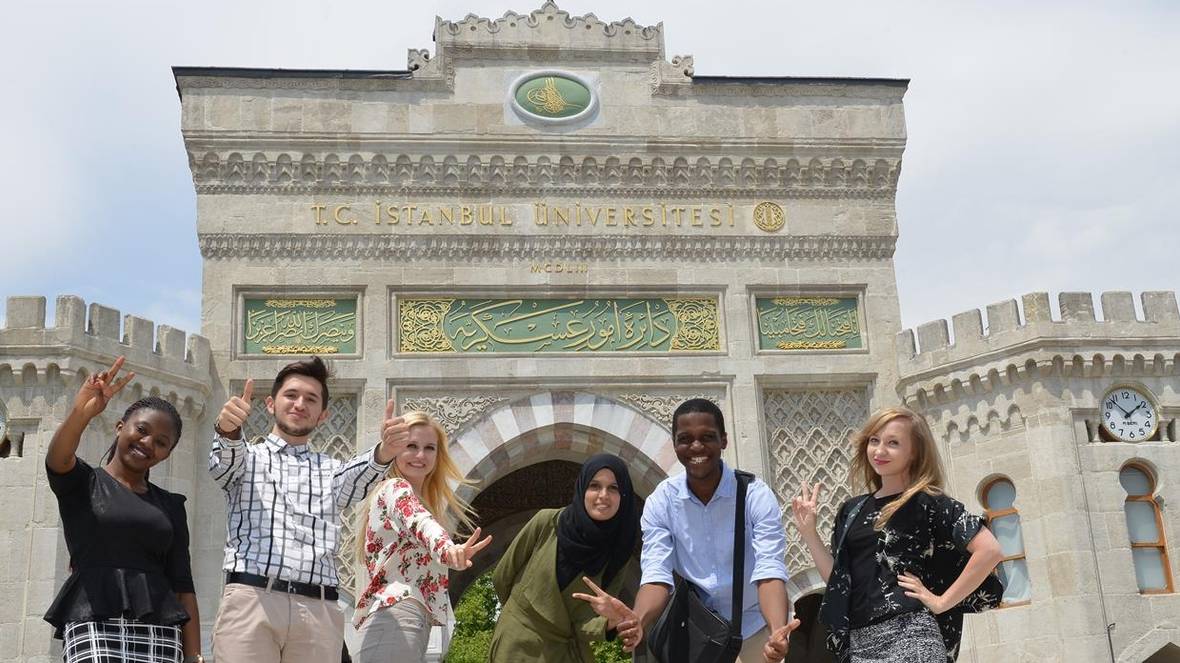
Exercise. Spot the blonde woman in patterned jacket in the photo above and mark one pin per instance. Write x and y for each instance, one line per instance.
(907, 560)
(405, 548)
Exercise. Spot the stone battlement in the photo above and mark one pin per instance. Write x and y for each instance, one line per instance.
(930, 347)
(103, 331)
(550, 28)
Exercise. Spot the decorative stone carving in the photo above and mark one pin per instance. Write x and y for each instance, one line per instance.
(660, 407)
(676, 73)
(453, 412)
(416, 248)
(703, 176)
(808, 433)
(550, 27)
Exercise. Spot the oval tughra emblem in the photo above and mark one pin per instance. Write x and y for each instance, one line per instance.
(553, 96)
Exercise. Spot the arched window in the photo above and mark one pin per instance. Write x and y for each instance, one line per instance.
(999, 499)
(1145, 527)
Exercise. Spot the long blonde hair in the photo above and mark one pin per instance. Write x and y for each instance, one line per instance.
(925, 470)
(437, 495)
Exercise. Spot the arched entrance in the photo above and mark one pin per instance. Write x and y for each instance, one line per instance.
(524, 456)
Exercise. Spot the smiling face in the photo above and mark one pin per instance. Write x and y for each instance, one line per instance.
(144, 439)
(298, 407)
(890, 452)
(417, 460)
(602, 497)
(698, 444)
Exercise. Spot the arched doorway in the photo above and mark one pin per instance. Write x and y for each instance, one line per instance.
(525, 456)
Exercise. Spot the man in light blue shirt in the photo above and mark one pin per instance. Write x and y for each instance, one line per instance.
(688, 524)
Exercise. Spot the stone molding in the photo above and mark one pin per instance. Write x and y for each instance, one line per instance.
(416, 248)
(288, 173)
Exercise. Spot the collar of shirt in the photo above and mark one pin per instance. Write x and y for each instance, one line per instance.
(726, 489)
(278, 445)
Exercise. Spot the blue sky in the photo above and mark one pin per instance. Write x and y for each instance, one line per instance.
(1044, 138)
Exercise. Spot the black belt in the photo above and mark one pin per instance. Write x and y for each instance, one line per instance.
(285, 586)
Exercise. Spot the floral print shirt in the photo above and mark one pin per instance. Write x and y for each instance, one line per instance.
(927, 537)
(404, 548)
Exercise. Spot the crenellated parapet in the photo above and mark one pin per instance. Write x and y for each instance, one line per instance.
(84, 339)
(550, 28)
(942, 360)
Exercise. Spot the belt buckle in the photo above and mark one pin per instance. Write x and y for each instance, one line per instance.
(291, 588)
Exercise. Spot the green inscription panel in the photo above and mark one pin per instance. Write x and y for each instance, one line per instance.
(289, 326)
(808, 323)
(682, 324)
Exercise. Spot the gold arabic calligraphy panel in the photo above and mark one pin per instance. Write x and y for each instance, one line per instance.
(282, 326)
(808, 323)
(476, 325)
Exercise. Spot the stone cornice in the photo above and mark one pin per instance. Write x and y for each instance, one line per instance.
(833, 177)
(417, 248)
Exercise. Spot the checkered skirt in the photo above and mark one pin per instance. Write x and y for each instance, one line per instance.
(121, 641)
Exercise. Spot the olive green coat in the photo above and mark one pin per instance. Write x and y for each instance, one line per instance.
(537, 621)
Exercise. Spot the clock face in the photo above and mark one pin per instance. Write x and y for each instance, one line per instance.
(1128, 415)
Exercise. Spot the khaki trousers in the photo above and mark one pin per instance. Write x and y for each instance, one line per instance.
(752, 647)
(257, 626)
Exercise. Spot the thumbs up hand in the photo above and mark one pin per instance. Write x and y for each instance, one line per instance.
(394, 435)
(234, 413)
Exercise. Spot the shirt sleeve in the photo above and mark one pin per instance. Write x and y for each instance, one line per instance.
(768, 538)
(227, 460)
(71, 483)
(178, 565)
(953, 523)
(353, 480)
(397, 502)
(658, 557)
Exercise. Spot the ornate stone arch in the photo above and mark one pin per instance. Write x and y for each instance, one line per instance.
(563, 424)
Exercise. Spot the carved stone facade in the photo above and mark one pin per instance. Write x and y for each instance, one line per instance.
(428, 184)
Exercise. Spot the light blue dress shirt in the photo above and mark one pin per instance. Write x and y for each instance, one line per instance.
(696, 541)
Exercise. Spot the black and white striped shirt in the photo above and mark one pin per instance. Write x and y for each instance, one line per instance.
(284, 505)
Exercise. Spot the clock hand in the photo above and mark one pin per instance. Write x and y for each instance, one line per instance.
(1120, 407)
(1136, 408)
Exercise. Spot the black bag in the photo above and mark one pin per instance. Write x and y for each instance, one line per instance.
(687, 631)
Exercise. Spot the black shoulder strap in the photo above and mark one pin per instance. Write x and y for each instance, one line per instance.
(852, 513)
(739, 551)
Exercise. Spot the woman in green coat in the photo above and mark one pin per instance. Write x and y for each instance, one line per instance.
(551, 560)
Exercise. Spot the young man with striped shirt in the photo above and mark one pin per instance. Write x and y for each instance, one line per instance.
(279, 602)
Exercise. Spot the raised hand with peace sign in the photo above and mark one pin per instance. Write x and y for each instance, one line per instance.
(93, 397)
(459, 555)
(234, 413)
(618, 615)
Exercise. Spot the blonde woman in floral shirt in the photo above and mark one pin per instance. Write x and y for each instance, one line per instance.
(405, 547)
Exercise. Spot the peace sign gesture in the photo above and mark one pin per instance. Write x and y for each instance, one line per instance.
(459, 555)
(805, 507)
(98, 390)
(615, 611)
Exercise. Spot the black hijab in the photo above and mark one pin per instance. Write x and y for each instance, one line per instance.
(587, 546)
